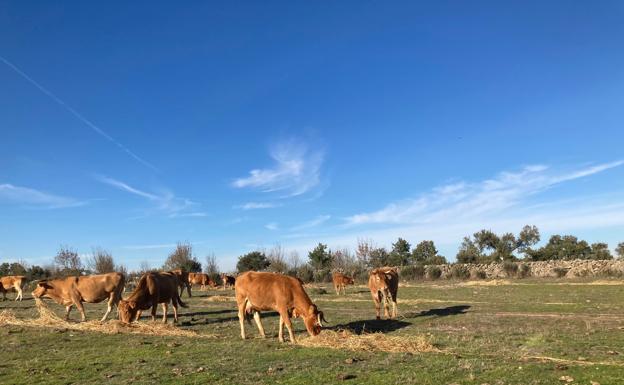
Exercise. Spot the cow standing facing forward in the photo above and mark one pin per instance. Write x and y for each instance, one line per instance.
(76, 290)
(10, 283)
(340, 282)
(152, 289)
(383, 283)
(257, 292)
(228, 280)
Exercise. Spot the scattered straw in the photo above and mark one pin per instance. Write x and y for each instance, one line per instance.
(372, 342)
(220, 298)
(493, 282)
(48, 319)
(573, 362)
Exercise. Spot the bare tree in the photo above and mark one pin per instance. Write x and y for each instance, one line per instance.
(343, 260)
(212, 268)
(277, 259)
(144, 267)
(101, 261)
(68, 261)
(182, 258)
(365, 249)
(294, 260)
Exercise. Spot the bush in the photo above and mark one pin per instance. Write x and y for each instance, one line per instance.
(318, 291)
(611, 273)
(524, 271)
(322, 275)
(360, 274)
(434, 272)
(305, 273)
(480, 274)
(460, 272)
(413, 272)
(510, 268)
(560, 272)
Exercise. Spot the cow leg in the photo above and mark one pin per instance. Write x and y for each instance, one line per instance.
(67, 310)
(377, 301)
(165, 307)
(4, 298)
(259, 323)
(80, 308)
(280, 330)
(154, 312)
(138, 315)
(19, 293)
(290, 329)
(241, 318)
(337, 288)
(111, 299)
(188, 289)
(175, 311)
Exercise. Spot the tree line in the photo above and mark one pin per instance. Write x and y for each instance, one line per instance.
(484, 246)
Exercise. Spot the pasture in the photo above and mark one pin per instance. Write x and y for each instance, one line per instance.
(505, 332)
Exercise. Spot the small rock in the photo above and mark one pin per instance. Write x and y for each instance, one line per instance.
(168, 352)
(349, 361)
(200, 369)
(613, 352)
(561, 367)
(594, 383)
(344, 377)
(566, 379)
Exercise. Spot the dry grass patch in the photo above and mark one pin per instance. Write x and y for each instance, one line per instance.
(372, 342)
(220, 298)
(48, 319)
(493, 282)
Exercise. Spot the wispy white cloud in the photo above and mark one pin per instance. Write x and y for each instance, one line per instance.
(297, 170)
(461, 200)
(166, 201)
(271, 226)
(156, 246)
(319, 220)
(30, 197)
(257, 205)
(77, 115)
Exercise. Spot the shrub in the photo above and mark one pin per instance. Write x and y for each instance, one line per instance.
(510, 269)
(480, 274)
(560, 272)
(322, 275)
(413, 272)
(524, 271)
(305, 273)
(434, 272)
(318, 291)
(460, 272)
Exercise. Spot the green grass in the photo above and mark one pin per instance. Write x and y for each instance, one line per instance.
(487, 334)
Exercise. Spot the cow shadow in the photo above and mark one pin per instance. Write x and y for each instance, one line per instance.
(199, 313)
(209, 321)
(439, 312)
(371, 326)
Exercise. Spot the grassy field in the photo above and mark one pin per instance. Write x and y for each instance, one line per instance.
(519, 332)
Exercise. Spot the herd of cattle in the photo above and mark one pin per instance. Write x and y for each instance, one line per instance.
(255, 292)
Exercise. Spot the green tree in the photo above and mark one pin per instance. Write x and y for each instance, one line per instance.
(320, 258)
(379, 257)
(564, 247)
(486, 246)
(182, 258)
(400, 254)
(468, 252)
(426, 253)
(600, 250)
(619, 250)
(255, 260)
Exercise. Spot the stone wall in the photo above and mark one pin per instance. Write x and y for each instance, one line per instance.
(567, 269)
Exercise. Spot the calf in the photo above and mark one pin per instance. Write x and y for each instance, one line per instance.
(257, 292)
(76, 290)
(340, 282)
(12, 283)
(152, 289)
(201, 279)
(384, 284)
(228, 280)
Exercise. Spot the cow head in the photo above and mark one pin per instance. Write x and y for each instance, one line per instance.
(41, 289)
(382, 279)
(350, 281)
(313, 320)
(127, 311)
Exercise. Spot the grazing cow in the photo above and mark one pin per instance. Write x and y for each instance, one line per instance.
(89, 288)
(257, 292)
(152, 289)
(340, 282)
(201, 279)
(12, 283)
(183, 281)
(228, 280)
(383, 283)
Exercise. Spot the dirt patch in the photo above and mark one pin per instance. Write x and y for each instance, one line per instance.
(372, 342)
(48, 319)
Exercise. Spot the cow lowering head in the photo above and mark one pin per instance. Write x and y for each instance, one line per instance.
(313, 320)
(127, 311)
(42, 289)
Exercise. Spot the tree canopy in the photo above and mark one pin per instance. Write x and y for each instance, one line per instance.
(255, 260)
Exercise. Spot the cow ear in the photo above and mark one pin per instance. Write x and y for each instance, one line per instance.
(388, 276)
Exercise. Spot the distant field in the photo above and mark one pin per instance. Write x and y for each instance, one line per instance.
(519, 332)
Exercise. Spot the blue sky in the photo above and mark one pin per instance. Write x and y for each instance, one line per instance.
(238, 126)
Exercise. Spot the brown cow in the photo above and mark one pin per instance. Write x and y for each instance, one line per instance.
(183, 280)
(201, 279)
(152, 289)
(228, 280)
(89, 288)
(256, 292)
(383, 283)
(340, 282)
(12, 283)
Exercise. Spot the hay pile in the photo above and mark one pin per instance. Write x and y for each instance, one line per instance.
(48, 319)
(371, 342)
(220, 298)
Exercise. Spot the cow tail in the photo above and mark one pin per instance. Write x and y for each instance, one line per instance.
(180, 300)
